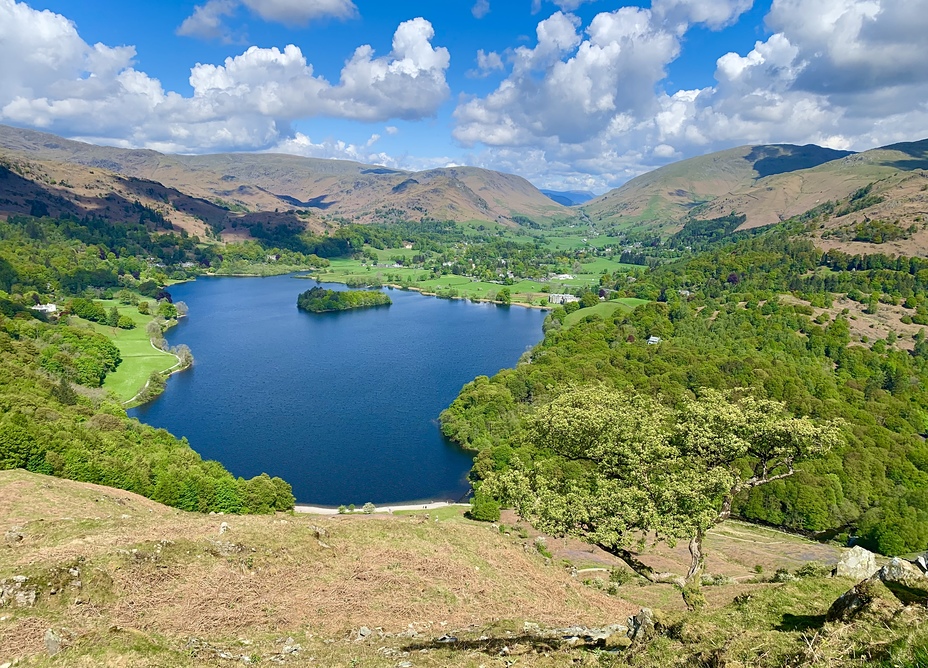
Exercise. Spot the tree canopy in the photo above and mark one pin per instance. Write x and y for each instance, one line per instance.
(614, 468)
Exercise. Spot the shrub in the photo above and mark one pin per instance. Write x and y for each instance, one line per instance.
(484, 508)
(368, 508)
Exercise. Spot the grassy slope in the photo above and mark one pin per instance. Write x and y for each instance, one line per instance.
(153, 579)
(139, 357)
(604, 309)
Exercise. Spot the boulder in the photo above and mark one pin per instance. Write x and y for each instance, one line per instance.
(868, 598)
(922, 563)
(851, 603)
(644, 625)
(857, 564)
(905, 580)
(56, 641)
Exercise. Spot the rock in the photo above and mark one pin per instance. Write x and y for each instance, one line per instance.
(851, 603)
(922, 563)
(617, 641)
(14, 592)
(224, 527)
(363, 633)
(857, 564)
(13, 536)
(870, 598)
(56, 641)
(644, 625)
(531, 628)
(905, 581)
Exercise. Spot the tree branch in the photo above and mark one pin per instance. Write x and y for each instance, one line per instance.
(757, 481)
(643, 569)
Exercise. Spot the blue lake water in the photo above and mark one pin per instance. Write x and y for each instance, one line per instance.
(343, 406)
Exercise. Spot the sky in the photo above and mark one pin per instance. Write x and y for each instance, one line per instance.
(570, 94)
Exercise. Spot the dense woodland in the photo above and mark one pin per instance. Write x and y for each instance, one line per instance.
(723, 324)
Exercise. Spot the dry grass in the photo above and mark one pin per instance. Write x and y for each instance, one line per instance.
(159, 587)
(171, 575)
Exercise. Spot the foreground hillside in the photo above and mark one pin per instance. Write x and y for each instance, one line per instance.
(121, 580)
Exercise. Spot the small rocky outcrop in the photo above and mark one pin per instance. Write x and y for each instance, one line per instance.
(867, 597)
(857, 564)
(14, 536)
(17, 592)
(922, 563)
(906, 581)
(644, 625)
(899, 583)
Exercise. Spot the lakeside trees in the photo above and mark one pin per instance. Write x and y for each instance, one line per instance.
(54, 423)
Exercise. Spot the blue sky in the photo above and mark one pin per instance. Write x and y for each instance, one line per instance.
(573, 94)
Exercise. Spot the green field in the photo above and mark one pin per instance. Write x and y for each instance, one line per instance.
(343, 270)
(139, 357)
(604, 309)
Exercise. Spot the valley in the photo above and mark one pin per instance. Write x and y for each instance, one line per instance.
(791, 276)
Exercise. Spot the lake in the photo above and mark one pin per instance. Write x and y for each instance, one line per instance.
(343, 406)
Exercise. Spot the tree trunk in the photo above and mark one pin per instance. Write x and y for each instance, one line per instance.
(697, 560)
(643, 569)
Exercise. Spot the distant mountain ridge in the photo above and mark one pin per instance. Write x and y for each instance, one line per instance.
(268, 183)
(569, 197)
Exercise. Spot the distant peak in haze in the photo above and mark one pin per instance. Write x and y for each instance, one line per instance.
(569, 197)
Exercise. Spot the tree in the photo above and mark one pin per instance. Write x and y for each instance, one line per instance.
(616, 467)
(504, 296)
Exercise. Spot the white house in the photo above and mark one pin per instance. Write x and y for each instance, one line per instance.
(654, 340)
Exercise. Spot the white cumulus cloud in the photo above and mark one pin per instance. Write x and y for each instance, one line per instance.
(592, 99)
(54, 80)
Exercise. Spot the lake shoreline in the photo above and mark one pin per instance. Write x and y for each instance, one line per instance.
(250, 342)
(386, 508)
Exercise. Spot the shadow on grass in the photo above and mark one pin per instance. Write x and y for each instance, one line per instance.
(800, 622)
(493, 646)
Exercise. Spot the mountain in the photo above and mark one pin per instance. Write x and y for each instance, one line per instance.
(661, 199)
(569, 197)
(892, 171)
(267, 183)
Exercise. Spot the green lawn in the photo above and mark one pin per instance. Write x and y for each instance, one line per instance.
(139, 357)
(604, 309)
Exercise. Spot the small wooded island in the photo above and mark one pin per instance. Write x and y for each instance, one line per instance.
(320, 300)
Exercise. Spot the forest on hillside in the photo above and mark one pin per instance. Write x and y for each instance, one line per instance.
(723, 323)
